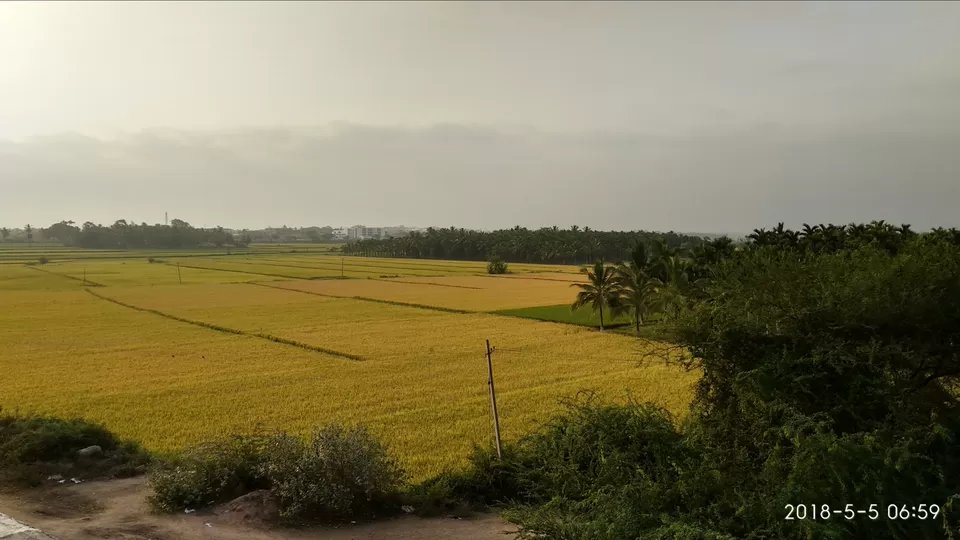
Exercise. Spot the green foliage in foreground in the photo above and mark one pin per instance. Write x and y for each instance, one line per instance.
(828, 379)
(32, 448)
(337, 474)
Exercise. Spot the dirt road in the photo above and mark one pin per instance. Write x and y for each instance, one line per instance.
(117, 510)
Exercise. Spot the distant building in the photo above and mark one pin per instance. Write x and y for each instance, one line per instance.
(339, 234)
(361, 232)
(395, 232)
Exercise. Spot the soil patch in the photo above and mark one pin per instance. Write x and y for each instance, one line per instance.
(118, 510)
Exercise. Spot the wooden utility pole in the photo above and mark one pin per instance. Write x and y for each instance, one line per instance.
(179, 277)
(493, 401)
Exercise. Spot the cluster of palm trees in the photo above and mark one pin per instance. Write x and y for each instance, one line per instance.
(553, 245)
(658, 281)
(832, 238)
(673, 275)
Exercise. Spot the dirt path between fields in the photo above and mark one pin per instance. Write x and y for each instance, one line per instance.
(117, 510)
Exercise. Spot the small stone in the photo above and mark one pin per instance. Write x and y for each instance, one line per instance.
(90, 451)
(188, 510)
(407, 509)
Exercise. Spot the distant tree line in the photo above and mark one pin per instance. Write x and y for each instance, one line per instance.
(123, 235)
(658, 278)
(814, 240)
(292, 235)
(522, 245)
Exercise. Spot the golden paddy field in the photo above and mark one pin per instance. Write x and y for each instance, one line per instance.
(170, 364)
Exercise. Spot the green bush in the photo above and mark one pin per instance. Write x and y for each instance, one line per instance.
(337, 474)
(828, 378)
(33, 448)
(594, 471)
(210, 473)
(496, 265)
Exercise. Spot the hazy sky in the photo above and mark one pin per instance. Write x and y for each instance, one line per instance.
(684, 116)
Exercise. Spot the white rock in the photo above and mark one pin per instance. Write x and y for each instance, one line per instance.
(90, 451)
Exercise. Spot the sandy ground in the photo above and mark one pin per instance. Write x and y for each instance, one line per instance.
(117, 510)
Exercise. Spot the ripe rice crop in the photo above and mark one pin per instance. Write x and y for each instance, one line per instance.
(479, 267)
(121, 273)
(422, 385)
(22, 278)
(360, 266)
(252, 267)
(546, 276)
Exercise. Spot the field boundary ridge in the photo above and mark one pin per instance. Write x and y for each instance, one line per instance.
(227, 330)
(366, 299)
(87, 281)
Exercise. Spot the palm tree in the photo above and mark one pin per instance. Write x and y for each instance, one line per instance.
(639, 256)
(659, 258)
(636, 292)
(600, 291)
(677, 285)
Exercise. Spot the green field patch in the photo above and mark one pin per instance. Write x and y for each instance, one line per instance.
(562, 313)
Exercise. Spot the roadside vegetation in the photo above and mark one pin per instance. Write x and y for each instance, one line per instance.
(338, 473)
(829, 377)
(37, 449)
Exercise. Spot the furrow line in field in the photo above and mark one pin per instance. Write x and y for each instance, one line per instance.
(251, 273)
(227, 330)
(608, 326)
(515, 276)
(333, 268)
(417, 265)
(391, 280)
(354, 266)
(87, 281)
(366, 299)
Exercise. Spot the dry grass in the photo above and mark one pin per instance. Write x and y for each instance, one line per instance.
(423, 385)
